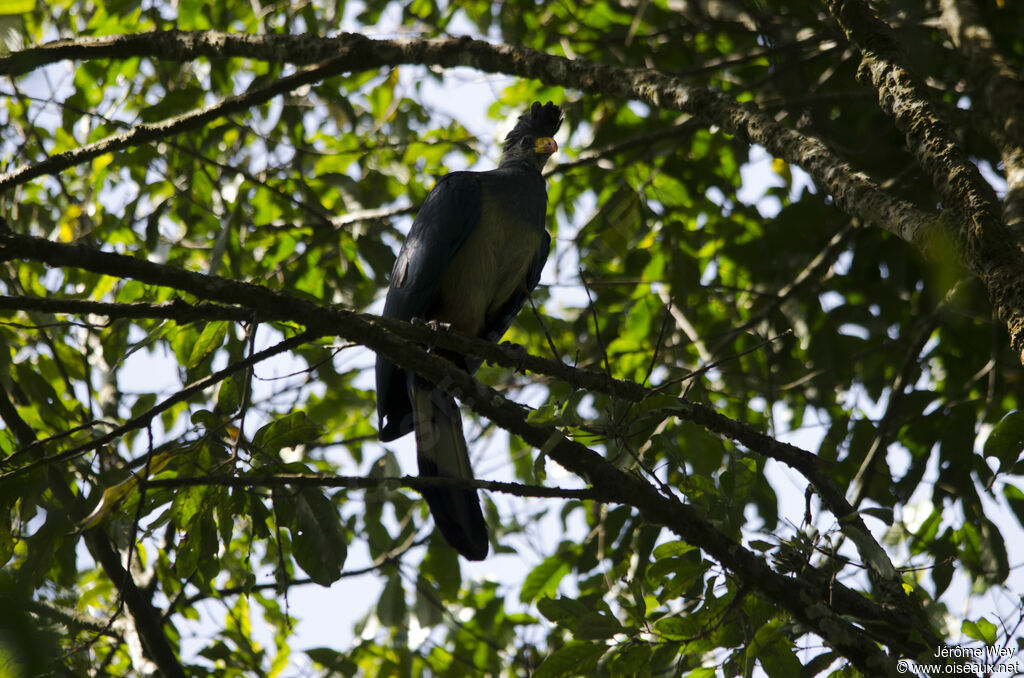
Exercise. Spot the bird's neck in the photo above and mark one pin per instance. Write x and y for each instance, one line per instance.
(516, 161)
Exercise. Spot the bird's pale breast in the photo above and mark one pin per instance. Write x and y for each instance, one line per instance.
(486, 270)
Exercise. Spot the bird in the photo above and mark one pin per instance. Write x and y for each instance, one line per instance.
(474, 253)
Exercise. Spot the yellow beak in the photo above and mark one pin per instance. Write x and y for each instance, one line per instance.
(545, 146)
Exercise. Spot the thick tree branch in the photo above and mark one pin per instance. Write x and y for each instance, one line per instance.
(1001, 268)
(986, 245)
(175, 45)
(273, 305)
(146, 619)
(177, 310)
(367, 330)
(371, 330)
(805, 603)
(1002, 94)
(854, 191)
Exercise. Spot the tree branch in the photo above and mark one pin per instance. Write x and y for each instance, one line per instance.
(805, 601)
(1002, 93)
(175, 45)
(177, 310)
(396, 338)
(855, 193)
(144, 418)
(367, 483)
(70, 617)
(145, 133)
(986, 245)
(1001, 268)
(146, 619)
(63, 503)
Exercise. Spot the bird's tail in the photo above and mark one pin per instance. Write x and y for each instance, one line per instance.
(441, 451)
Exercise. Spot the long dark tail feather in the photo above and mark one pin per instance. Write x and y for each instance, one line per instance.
(441, 452)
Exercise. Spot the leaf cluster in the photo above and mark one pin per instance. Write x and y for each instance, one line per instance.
(672, 268)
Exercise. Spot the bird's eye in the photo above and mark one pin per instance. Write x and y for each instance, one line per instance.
(524, 143)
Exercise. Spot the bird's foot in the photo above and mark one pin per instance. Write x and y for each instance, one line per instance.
(436, 325)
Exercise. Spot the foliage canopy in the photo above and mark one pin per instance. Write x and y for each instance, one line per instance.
(778, 408)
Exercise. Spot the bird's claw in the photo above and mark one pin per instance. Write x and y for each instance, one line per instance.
(435, 325)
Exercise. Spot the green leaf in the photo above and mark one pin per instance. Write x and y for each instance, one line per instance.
(206, 419)
(1015, 498)
(428, 612)
(543, 580)
(669, 191)
(188, 503)
(292, 429)
(196, 554)
(1006, 442)
(6, 543)
(319, 541)
(982, 630)
(761, 545)
(114, 496)
(677, 627)
(609, 234)
(686, 569)
(210, 339)
(561, 609)
(572, 659)
(391, 608)
(17, 6)
(7, 442)
(333, 660)
(993, 551)
(442, 565)
(775, 652)
(672, 549)
(596, 626)
(983, 550)
(229, 397)
(631, 660)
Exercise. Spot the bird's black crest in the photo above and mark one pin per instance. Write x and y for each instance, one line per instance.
(540, 121)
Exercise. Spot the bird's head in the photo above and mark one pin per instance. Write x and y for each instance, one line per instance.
(532, 139)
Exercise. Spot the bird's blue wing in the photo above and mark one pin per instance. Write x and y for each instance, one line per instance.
(537, 265)
(447, 217)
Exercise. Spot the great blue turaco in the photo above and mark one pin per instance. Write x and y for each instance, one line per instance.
(473, 254)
